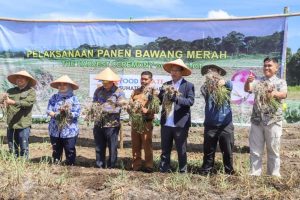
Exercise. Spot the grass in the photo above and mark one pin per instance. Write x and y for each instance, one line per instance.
(294, 88)
(20, 178)
(293, 93)
(18, 175)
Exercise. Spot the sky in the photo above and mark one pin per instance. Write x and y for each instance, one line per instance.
(152, 9)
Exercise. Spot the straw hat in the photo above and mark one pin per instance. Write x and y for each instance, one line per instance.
(13, 78)
(64, 79)
(205, 68)
(185, 72)
(107, 75)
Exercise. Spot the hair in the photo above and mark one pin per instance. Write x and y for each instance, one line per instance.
(147, 73)
(268, 59)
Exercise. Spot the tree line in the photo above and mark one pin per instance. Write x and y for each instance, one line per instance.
(234, 43)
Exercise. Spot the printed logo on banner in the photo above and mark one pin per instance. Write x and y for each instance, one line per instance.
(128, 83)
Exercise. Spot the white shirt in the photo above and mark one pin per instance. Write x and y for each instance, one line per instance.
(170, 117)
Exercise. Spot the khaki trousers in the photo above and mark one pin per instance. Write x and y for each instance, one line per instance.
(259, 136)
(139, 141)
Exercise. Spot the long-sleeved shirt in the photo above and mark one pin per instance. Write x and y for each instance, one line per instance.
(71, 129)
(19, 115)
(214, 115)
(111, 106)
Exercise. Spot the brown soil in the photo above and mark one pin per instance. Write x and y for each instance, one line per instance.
(84, 181)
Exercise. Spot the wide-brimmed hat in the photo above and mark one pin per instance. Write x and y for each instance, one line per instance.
(185, 70)
(64, 79)
(107, 75)
(205, 69)
(13, 78)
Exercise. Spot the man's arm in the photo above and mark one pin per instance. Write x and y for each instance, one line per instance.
(28, 101)
(189, 100)
(282, 93)
(247, 86)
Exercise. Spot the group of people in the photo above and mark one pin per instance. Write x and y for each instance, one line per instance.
(266, 127)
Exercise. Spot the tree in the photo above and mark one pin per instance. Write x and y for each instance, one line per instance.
(233, 42)
(293, 70)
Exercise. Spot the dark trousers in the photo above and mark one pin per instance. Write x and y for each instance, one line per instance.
(106, 136)
(18, 138)
(179, 135)
(67, 144)
(225, 136)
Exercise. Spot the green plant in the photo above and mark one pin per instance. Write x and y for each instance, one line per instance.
(292, 114)
(40, 120)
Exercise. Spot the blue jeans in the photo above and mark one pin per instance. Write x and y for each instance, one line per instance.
(67, 144)
(19, 138)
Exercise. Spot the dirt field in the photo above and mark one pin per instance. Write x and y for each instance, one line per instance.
(38, 179)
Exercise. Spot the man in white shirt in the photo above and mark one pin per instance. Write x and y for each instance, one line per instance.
(176, 123)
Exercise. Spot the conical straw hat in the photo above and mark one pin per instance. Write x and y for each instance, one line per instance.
(13, 78)
(185, 72)
(107, 75)
(64, 79)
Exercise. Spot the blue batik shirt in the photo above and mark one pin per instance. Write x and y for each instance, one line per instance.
(111, 106)
(214, 115)
(71, 129)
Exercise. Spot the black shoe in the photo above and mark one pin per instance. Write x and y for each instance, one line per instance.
(148, 170)
(137, 170)
(232, 172)
(165, 170)
(205, 172)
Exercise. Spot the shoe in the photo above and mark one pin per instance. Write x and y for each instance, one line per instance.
(137, 169)
(205, 172)
(165, 170)
(148, 170)
(232, 172)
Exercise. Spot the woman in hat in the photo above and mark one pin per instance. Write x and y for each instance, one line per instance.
(20, 100)
(106, 130)
(218, 125)
(64, 110)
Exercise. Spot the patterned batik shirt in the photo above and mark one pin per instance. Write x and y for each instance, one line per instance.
(111, 105)
(268, 118)
(71, 129)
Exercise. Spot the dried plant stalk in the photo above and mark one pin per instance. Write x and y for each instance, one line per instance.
(220, 94)
(64, 116)
(3, 113)
(170, 91)
(153, 103)
(264, 101)
(136, 116)
(92, 112)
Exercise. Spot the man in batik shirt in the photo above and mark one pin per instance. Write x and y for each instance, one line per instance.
(266, 122)
(107, 129)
